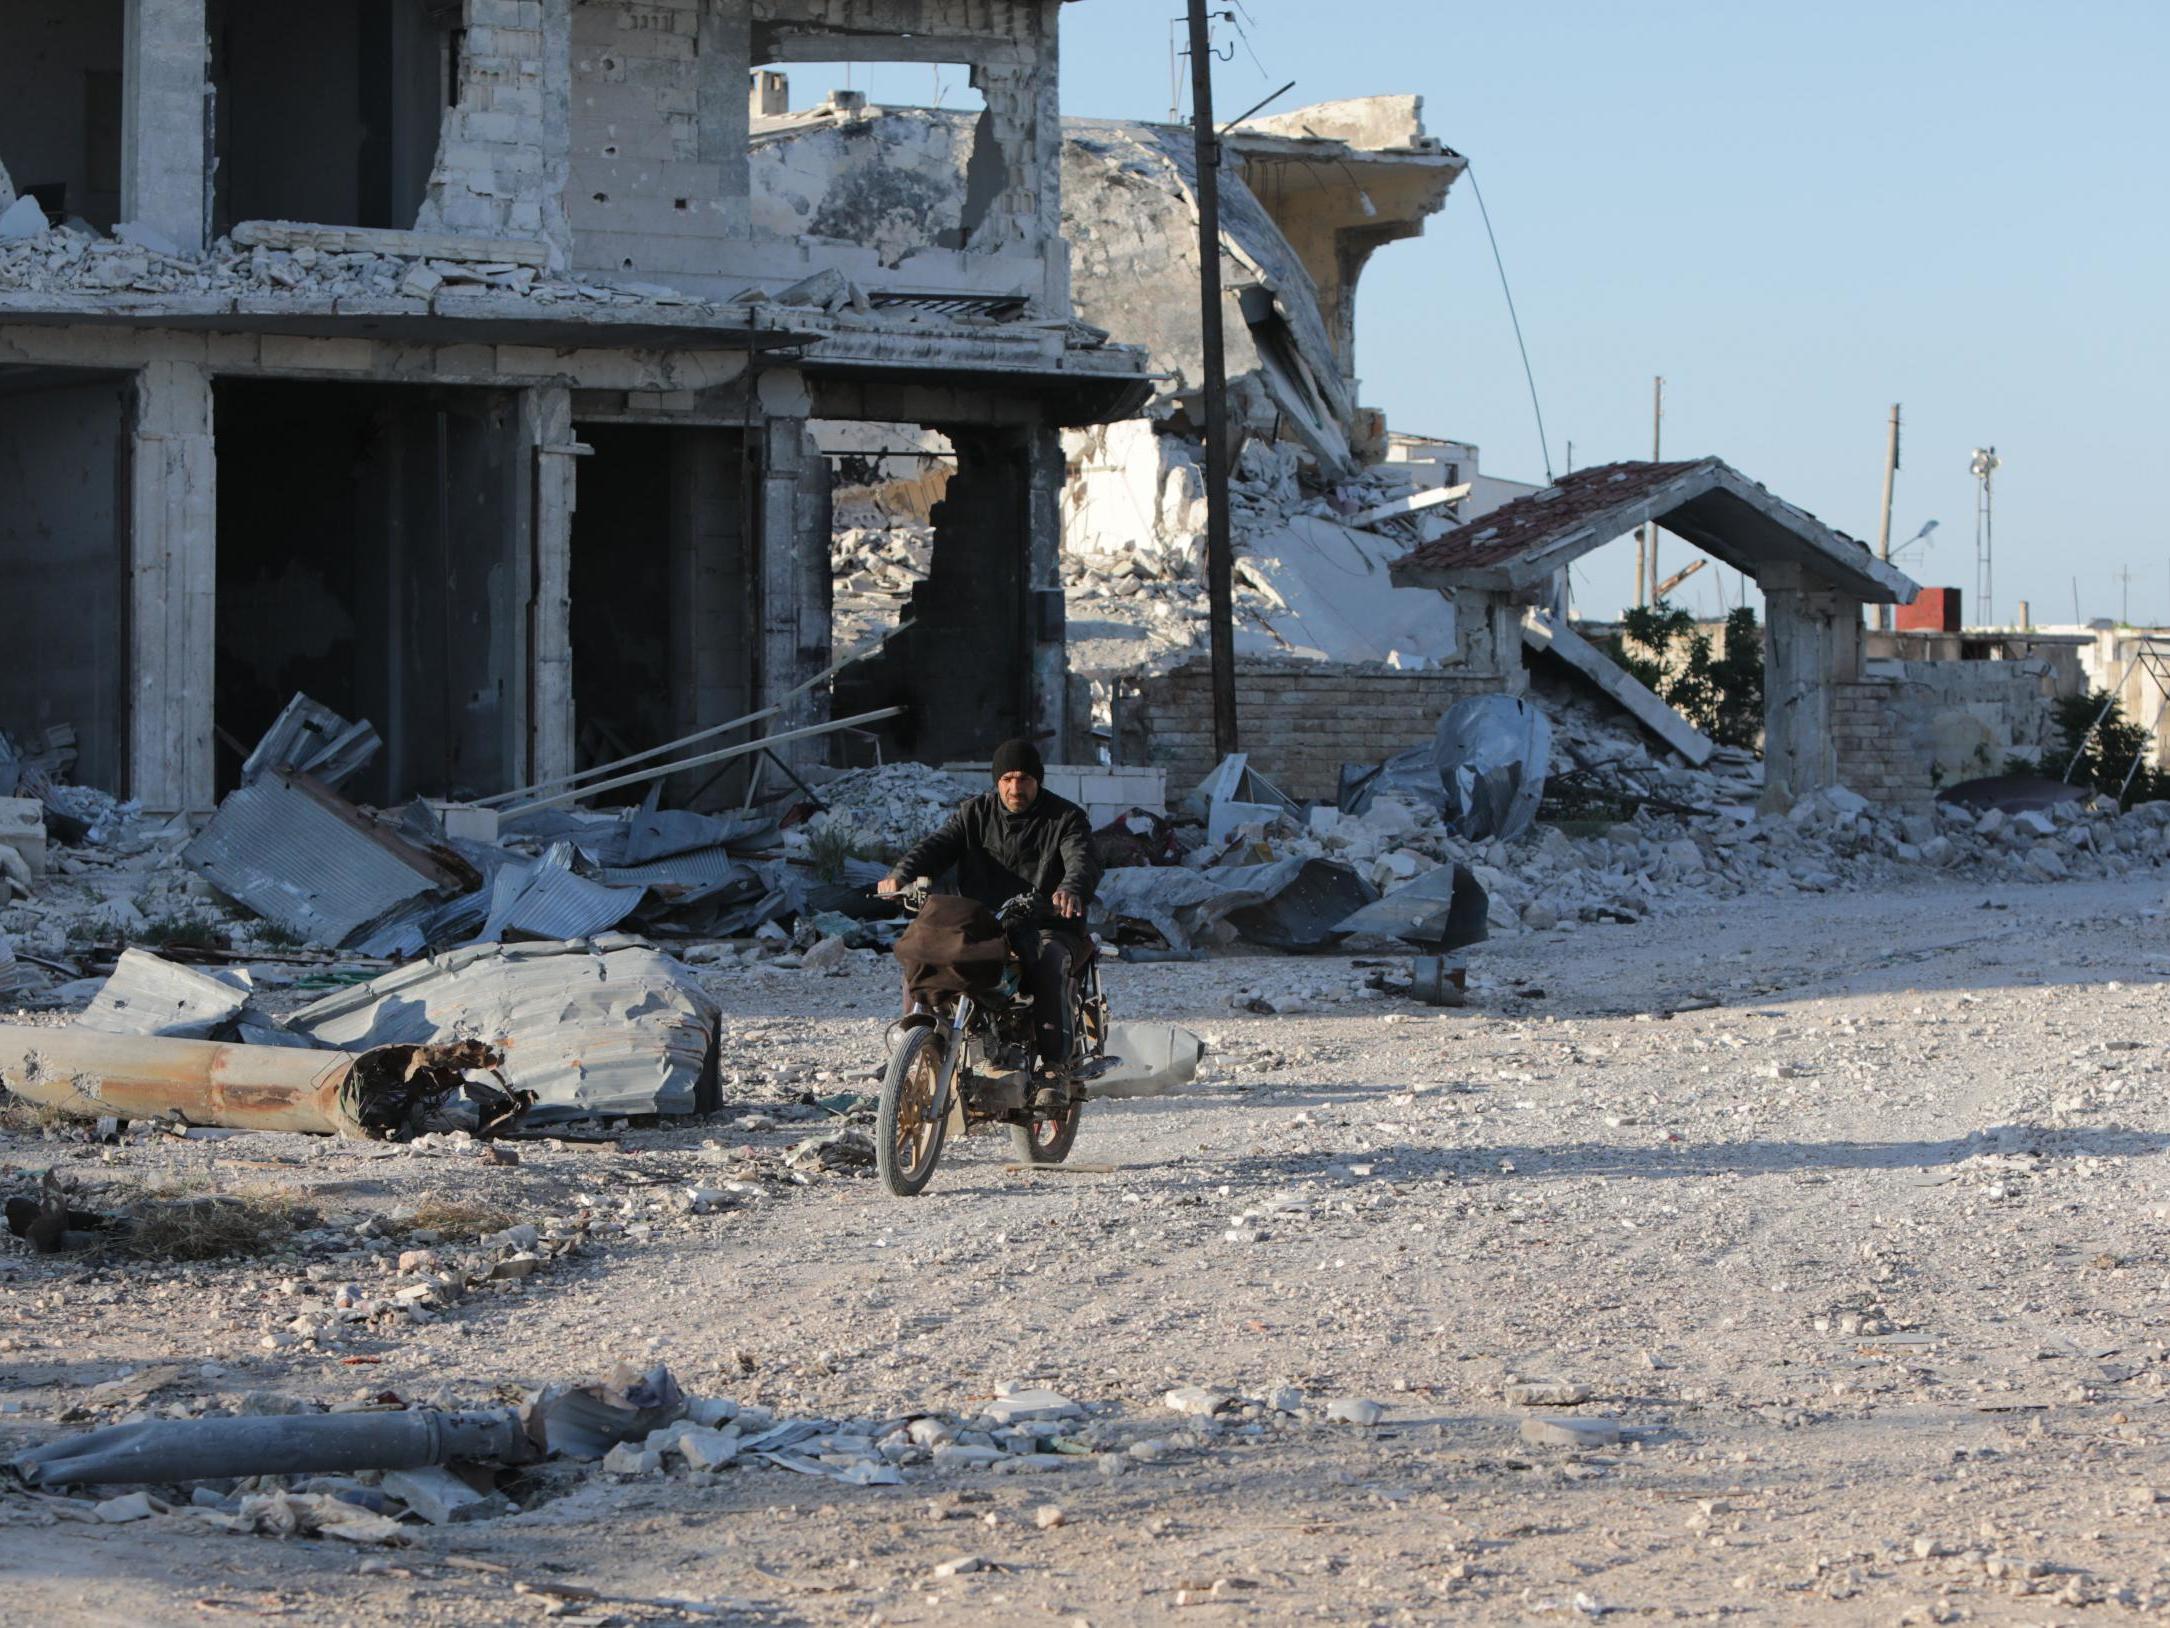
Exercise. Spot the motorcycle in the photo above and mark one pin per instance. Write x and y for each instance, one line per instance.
(963, 1063)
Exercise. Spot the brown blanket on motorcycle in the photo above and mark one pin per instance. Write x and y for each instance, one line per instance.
(953, 946)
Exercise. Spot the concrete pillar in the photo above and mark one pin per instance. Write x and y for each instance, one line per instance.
(1048, 664)
(1488, 637)
(1811, 640)
(173, 587)
(546, 428)
(162, 119)
(793, 572)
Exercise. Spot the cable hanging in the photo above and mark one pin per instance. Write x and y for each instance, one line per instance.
(1544, 446)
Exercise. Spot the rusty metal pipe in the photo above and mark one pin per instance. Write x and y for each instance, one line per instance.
(373, 1094)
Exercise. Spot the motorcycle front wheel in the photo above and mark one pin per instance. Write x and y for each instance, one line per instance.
(907, 1131)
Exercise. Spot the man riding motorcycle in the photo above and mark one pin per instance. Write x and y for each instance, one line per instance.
(1017, 839)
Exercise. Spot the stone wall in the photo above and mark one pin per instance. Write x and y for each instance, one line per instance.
(1300, 721)
(1978, 713)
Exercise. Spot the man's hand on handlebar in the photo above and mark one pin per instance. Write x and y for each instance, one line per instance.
(1067, 903)
(887, 887)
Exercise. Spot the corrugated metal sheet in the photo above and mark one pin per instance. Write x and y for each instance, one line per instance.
(544, 899)
(308, 736)
(609, 1027)
(298, 856)
(703, 868)
(149, 995)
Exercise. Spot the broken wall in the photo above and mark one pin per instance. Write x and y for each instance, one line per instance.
(64, 566)
(60, 104)
(1300, 721)
(503, 152)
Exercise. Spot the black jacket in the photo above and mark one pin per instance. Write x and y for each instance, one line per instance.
(999, 855)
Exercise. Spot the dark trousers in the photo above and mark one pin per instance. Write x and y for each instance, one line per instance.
(1050, 958)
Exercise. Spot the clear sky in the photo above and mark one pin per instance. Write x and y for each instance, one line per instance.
(1798, 214)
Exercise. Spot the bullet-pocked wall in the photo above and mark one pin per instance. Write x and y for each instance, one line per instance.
(329, 112)
(367, 554)
(60, 104)
(64, 562)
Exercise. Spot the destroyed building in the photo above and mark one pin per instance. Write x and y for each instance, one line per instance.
(1307, 197)
(440, 359)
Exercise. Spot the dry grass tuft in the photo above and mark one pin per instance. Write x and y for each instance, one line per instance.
(459, 1222)
(19, 1116)
(166, 1224)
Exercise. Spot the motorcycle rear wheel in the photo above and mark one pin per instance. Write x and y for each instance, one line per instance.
(907, 1134)
(1048, 1138)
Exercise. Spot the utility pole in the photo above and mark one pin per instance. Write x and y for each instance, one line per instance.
(1220, 550)
(1646, 551)
(2124, 603)
(1883, 530)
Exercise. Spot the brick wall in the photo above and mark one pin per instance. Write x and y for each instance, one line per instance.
(1880, 735)
(1300, 721)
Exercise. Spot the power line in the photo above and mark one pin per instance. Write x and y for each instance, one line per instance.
(1543, 446)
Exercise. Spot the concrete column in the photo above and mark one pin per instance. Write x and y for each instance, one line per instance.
(1046, 640)
(793, 573)
(162, 119)
(546, 429)
(173, 586)
(1811, 641)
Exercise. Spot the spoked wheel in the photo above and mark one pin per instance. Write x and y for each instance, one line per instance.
(907, 1131)
(1047, 1139)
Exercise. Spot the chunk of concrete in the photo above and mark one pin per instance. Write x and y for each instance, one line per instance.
(24, 218)
(439, 1496)
(22, 827)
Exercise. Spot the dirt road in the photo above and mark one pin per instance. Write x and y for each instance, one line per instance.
(1849, 1212)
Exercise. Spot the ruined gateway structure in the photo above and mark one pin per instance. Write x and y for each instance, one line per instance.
(437, 357)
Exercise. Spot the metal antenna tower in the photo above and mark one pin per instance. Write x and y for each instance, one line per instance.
(1983, 466)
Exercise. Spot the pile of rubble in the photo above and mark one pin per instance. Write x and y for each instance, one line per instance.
(75, 259)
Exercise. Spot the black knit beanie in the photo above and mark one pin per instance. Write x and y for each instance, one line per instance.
(1019, 757)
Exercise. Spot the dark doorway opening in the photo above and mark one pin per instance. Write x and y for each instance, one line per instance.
(961, 669)
(64, 444)
(663, 599)
(60, 105)
(368, 555)
(328, 113)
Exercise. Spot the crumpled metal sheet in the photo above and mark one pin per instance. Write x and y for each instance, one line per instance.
(309, 738)
(604, 1027)
(1288, 904)
(1444, 909)
(1493, 753)
(299, 855)
(544, 898)
(1147, 1060)
(149, 995)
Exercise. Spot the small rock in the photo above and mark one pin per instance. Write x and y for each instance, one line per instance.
(960, 1565)
(524, 1264)
(1197, 1400)
(1048, 1516)
(1573, 1433)
(1355, 1410)
(627, 1458)
(130, 1506)
(1546, 1393)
